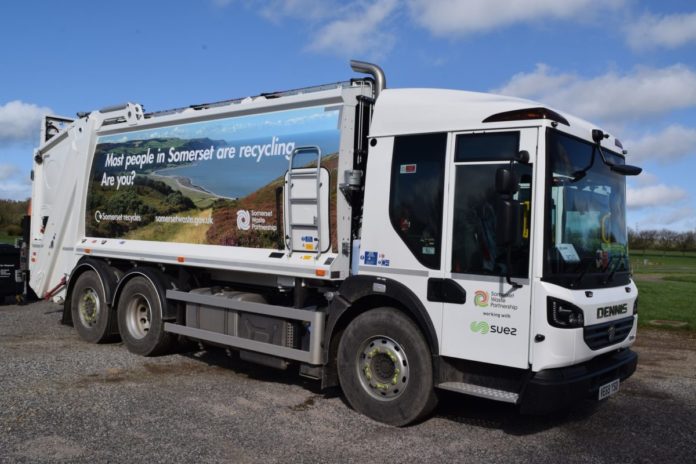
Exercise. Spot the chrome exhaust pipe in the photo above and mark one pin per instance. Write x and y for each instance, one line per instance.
(374, 71)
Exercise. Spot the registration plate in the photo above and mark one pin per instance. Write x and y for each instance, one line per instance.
(608, 389)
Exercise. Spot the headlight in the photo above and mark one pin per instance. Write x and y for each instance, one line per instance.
(564, 315)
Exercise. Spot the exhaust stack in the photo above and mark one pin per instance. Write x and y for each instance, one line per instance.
(374, 71)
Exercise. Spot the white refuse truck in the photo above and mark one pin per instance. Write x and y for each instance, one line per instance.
(391, 241)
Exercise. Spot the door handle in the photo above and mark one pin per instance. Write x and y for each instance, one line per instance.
(445, 291)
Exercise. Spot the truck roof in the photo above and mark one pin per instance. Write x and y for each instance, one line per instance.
(412, 111)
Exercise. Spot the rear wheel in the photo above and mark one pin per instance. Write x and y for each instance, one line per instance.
(140, 319)
(91, 315)
(385, 367)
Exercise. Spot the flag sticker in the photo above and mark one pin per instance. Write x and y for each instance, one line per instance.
(407, 169)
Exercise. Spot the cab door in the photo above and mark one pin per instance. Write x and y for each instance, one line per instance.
(491, 323)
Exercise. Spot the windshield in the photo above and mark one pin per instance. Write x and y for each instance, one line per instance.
(586, 242)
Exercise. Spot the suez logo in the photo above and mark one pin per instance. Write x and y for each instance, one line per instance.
(614, 310)
(484, 327)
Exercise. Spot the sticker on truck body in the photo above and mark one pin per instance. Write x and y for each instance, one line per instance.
(212, 182)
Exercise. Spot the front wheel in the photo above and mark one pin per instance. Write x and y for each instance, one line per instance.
(140, 319)
(385, 367)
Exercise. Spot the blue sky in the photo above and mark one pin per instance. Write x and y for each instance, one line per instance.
(628, 65)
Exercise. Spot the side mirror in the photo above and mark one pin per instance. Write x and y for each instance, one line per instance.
(508, 211)
(506, 182)
(522, 156)
(508, 230)
(626, 169)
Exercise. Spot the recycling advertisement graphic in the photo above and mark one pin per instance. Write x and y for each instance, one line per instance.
(216, 182)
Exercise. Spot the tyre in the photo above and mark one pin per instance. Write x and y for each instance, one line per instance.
(385, 367)
(92, 317)
(140, 319)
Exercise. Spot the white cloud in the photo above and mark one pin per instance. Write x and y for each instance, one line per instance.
(360, 32)
(347, 28)
(20, 122)
(668, 31)
(673, 218)
(672, 143)
(463, 17)
(611, 96)
(541, 80)
(645, 178)
(275, 10)
(14, 184)
(15, 190)
(654, 196)
(7, 171)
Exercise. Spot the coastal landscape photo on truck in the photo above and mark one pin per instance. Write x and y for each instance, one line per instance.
(211, 182)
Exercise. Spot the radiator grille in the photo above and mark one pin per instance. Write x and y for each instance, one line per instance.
(607, 333)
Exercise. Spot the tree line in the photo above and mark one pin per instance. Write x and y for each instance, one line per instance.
(11, 213)
(662, 240)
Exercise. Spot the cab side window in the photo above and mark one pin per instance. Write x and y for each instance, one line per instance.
(417, 193)
(474, 247)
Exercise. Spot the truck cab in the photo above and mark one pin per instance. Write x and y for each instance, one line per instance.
(558, 295)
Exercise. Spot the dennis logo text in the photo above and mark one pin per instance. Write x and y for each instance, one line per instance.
(615, 310)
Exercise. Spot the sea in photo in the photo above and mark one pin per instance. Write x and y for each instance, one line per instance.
(238, 177)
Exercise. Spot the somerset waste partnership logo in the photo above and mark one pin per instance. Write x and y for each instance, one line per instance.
(481, 298)
(243, 219)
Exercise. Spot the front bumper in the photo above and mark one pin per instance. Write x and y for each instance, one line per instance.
(553, 389)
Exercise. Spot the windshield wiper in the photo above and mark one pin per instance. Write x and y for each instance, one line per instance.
(578, 175)
(590, 260)
(608, 278)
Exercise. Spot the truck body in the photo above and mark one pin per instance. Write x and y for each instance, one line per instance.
(392, 241)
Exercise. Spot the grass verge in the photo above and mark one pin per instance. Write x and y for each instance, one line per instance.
(7, 239)
(680, 278)
(659, 263)
(671, 299)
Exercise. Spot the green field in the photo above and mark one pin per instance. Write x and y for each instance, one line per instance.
(667, 286)
(654, 262)
(7, 239)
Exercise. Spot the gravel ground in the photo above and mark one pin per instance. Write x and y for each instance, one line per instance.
(62, 399)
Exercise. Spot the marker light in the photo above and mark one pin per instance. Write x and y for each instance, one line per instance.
(528, 113)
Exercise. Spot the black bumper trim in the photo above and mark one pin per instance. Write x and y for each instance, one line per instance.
(553, 389)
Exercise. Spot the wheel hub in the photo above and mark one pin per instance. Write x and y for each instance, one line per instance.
(383, 368)
(138, 316)
(89, 307)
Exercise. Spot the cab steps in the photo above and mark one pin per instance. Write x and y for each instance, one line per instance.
(481, 392)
